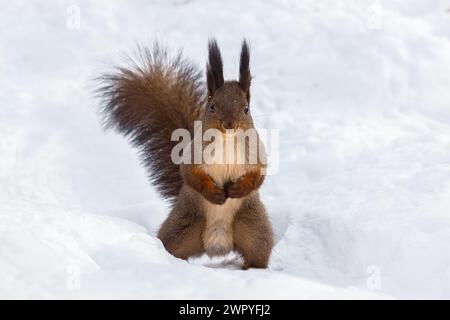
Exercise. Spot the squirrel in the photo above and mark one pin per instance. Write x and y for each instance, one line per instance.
(215, 208)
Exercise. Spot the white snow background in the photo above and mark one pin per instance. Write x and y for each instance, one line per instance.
(360, 91)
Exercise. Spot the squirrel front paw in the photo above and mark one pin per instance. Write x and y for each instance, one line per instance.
(216, 195)
(238, 189)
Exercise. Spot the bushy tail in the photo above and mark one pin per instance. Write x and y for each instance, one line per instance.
(146, 102)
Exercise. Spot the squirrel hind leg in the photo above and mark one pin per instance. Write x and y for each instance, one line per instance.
(181, 236)
(253, 237)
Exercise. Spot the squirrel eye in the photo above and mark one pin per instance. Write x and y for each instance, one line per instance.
(247, 109)
(212, 108)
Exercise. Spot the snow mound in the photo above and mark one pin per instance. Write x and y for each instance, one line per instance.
(358, 90)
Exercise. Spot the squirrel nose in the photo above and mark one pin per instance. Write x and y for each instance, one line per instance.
(229, 124)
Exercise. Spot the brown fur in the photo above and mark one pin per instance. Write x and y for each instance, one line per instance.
(216, 207)
(146, 102)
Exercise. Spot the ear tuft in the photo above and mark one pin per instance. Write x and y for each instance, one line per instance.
(214, 67)
(245, 77)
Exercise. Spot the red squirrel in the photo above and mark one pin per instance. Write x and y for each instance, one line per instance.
(215, 208)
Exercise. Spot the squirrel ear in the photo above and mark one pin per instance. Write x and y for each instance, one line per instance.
(214, 68)
(245, 77)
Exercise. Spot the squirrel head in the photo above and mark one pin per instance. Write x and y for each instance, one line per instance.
(228, 105)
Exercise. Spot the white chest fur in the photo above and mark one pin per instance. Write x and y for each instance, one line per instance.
(218, 235)
(225, 160)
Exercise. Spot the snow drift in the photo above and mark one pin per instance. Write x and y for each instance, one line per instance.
(360, 204)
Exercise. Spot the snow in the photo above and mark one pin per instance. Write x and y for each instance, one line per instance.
(358, 89)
